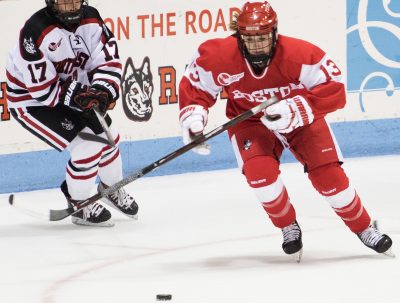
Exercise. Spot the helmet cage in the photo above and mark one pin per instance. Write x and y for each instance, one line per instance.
(256, 19)
(251, 47)
(69, 18)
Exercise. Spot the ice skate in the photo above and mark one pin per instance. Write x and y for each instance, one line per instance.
(374, 239)
(92, 215)
(292, 244)
(121, 200)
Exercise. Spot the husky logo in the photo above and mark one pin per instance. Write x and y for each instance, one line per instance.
(225, 79)
(67, 124)
(29, 46)
(137, 89)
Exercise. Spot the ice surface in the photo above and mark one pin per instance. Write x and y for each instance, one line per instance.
(203, 237)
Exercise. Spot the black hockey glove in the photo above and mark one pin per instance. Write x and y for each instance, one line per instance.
(107, 86)
(87, 99)
(69, 90)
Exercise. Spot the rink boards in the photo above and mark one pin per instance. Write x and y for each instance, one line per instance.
(361, 36)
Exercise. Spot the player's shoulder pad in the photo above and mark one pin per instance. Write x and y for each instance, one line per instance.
(222, 50)
(91, 15)
(91, 12)
(299, 51)
(33, 32)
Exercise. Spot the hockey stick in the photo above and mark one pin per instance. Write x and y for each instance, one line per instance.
(104, 125)
(93, 137)
(56, 215)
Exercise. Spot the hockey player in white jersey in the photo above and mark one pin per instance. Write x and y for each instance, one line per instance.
(65, 62)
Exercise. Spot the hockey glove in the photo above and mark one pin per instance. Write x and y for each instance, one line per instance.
(288, 114)
(110, 88)
(87, 99)
(193, 119)
(69, 90)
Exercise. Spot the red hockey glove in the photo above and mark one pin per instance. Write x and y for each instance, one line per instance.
(193, 119)
(288, 114)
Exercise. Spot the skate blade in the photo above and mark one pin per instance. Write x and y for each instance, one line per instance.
(109, 203)
(81, 222)
(389, 253)
(297, 256)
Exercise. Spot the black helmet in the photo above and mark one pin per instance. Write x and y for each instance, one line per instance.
(69, 18)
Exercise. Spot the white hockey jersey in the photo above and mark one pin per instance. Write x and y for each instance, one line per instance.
(47, 54)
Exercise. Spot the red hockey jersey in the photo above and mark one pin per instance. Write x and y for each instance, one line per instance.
(297, 68)
(47, 54)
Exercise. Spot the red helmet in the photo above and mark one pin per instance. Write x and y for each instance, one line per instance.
(257, 18)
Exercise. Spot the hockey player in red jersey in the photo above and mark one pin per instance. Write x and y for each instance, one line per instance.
(65, 62)
(252, 65)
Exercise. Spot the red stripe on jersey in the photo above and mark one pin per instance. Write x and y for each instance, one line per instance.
(110, 64)
(55, 97)
(186, 110)
(40, 129)
(14, 80)
(44, 34)
(110, 160)
(88, 160)
(89, 21)
(43, 86)
(19, 99)
(81, 177)
(109, 147)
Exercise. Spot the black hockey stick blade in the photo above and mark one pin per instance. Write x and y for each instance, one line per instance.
(56, 215)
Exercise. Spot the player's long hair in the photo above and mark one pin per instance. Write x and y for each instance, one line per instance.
(233, 24)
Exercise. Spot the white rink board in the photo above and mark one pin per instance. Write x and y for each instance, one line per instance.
(173, 47)
(362, 36)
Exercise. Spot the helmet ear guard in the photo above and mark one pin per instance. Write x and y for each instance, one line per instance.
(68, 18)
(255, 19)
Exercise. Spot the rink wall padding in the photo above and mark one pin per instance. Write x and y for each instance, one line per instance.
(361, 37)
(46, 169)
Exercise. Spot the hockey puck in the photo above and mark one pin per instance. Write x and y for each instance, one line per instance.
(163, 297)
(11, 199)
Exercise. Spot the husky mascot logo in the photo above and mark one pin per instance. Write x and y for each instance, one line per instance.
(137, 89)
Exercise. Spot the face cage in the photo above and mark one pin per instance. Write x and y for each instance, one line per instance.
(261, 59)
(67, 18)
